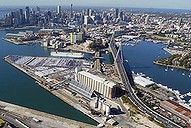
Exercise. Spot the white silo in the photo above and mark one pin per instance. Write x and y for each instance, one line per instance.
(107, 110)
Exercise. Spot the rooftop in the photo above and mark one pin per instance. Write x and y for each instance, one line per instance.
(143, 81)
(97, 78)
(177, 107)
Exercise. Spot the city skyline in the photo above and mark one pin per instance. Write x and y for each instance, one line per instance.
(171, 4)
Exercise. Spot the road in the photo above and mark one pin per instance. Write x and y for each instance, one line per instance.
(11, 118)
(126, 79)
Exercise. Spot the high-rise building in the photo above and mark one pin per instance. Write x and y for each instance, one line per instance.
(71, 11)
(89, 12)
(147, 19)
(27, 14)
(37, 8)
(21, 15)
(8, 20)
(116, 13)
(121, 15)
(179, 21)
(59, 10)
(89, 20)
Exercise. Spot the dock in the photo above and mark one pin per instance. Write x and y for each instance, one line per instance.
(63, 93)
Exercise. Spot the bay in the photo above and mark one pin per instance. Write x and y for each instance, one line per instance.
(140, 58)
(18, 88)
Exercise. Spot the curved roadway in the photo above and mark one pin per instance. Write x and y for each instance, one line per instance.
(126, 80)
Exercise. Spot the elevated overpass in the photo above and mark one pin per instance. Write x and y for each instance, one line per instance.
(128, 83)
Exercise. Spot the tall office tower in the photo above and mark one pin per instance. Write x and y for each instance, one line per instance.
(179, 21)
(37, 8)
(89, 12)
(21, 15)
(147, 19)
(17, 18)
(8, 20)
(58, 10)
(121, 15)
(27, 14)
(116, 13)
(71, 11)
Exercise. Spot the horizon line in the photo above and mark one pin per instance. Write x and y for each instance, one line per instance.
(94, 6)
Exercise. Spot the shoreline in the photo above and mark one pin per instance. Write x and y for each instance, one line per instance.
(171, 66)
(172, 52)
(20, 43)
(63, 95)
(21, 112)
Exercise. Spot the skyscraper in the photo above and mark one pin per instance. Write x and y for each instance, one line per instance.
(71, 11)
(38, 8)
(88, 12)
(21, 15)
(27, 14)
(147, 19)
(116, 13)
(59, 10)
(121, 15)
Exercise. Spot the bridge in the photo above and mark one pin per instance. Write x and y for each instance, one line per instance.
(128, 83)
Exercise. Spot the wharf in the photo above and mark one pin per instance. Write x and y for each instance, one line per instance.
(62, 94)
(20, 42)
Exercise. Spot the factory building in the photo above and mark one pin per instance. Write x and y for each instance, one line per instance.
(101, 85)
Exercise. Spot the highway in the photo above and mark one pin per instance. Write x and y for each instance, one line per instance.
(126, 79)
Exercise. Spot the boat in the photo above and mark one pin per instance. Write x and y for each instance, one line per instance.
(67, 54)
(166, 69)
(172, 69)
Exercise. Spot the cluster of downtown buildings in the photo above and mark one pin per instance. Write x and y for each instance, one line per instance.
(172, 26)
(30, 16)
(41, 18)
(73, 25)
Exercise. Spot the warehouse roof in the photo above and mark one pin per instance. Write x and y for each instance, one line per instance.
(143, 81)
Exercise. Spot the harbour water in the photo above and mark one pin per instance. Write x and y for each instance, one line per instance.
(140, 58)
(18, 88)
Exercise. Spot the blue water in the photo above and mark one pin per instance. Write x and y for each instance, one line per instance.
(18, 88)
(141, 58)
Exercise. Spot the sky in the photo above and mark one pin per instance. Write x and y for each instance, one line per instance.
(174, 4)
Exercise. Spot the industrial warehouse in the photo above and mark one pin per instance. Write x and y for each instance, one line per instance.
(71, 80)
(101, 85)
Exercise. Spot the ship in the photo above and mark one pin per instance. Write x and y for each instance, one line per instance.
(67, 54)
